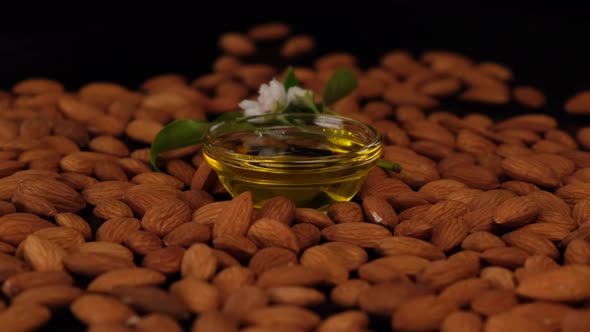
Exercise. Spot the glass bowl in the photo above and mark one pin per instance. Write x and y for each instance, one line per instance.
(312, 159)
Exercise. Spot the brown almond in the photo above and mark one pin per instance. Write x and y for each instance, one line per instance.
(290, 275)
(199, 296)
(99, 191)
(112, 208)
(278, 208)
(42, 254)
(268, 258)
(576, 321)
(284, 314)
(233, 278)
(473, 176)
(166, 216)
(529, 96)
(267, 232)
(462, 321)
(549, 314)
(312, 216)
(208, 213)
(352, 256)
(442, 273)
(117, 230)
(535, 122)
(327, 262)
(60, 195)
(449, 234)
(579, 103)
(577, 252)
(347, 293)
(29, 280)
(511, 323)
(462, 292)
(126, 277)
(362, 234)
(494, 301)
(107, 248)
(239, 247)
(214, 321)
(568, 283)
(378, 211)
(342, 212)
(236, 217)
(199, 262)
(531, 243)
(244, 300)
(307, 235)
(188, 234)
(509, 257)
(24, 317)
(106, 170)
(94, 264)
(99, 309)
(52, 296)
(422, 313)
(297, 45)
(236, 44)
(400, 245)
(157, 322)
(167, 260)
(151, 300)
(142, 242)
(482, 241)
(516, 212)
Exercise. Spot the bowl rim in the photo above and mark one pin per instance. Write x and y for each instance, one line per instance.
(216, 151)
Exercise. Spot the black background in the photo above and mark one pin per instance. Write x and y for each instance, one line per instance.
(127, 43)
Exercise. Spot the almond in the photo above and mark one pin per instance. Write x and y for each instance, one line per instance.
(141, 197)
(188, 234)
(362, 234)
(232, 278)
(143, 131)
(494, 301)
(64, 237)
(142, 242)
(549, 314)
(548, 230)
(327, 262)
(99, 309)
(577, 252)
(572, 193)
(61, 196)
(165, 217)
(117, 230)
(157, 322)
(151, 300)
(31, 280)
(531, 243)
(378, 211)
(581, 212)
(442, 273)
(307, 235)
(462, 292)
(297, 45)
(198, 295)
(519, 187)
(509, 322)
(449, 234)
(126, 277)
(236, 44)
(75, 222)
(180, 170)
(352, 256)
(290, 275)
(110, 145)
(167, 260)
(24, 317)
(284, 315)
(94, 264)
(509, 257)
(53, 296)
(416, 170)
(199, 262)
(341, 212)
(312, 216)
(386, 297)
(34, 204)
(208, 213)
(461, 321)
(400, 245)
(157, 178)
(278, 208)
(244, 300)
(107, 248)
(347, 293)
(214, 321)
(425, 312)
(239, 247)
(569, 283)
(525, 169)
(42, 254)
(576, 321)
(516, 212)
(236, 217)
(267, 232)
(112, 208)
(578, 104)
(482, 241)
(99, 191)
(268, 258)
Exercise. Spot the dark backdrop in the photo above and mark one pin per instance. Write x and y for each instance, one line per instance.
(129, 42)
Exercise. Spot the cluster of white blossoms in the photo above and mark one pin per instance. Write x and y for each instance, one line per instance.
(273, 98)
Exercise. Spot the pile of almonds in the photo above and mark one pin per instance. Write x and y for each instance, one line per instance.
(486, 228)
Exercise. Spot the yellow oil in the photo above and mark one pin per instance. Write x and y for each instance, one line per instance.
(314, 169)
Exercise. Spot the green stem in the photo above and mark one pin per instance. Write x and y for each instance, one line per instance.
(389, 166)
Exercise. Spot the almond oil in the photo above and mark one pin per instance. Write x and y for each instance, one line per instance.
(312, 165)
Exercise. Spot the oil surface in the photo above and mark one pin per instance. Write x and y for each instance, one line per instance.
(312, 168)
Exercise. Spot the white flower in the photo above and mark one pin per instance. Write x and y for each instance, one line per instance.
(328, 122)
(297, 95)
(273, 97)
(251, 108)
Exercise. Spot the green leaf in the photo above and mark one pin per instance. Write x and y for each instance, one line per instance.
(339, 86)
(290, 79)
(177, 134)
(229, 116)
(389, 166)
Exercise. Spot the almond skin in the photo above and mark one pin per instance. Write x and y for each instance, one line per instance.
(278, 208)
(267, 232)
(516, 212)
(431, 310)
(199, 262)
(569, 283)
(24, 317)
(236, 217)
(166, 217)
(97, 309)
(362, 234)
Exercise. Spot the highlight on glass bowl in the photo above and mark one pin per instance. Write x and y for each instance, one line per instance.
(285, 144)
